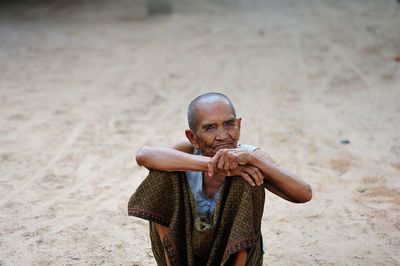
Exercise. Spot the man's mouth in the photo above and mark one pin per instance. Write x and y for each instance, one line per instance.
(224, 146)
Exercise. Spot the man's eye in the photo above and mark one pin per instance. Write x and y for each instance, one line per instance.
(229, 124)
(209, 128)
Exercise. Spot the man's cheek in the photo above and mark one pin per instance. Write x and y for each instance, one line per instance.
(236, 135)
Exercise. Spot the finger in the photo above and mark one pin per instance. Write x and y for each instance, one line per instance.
(233, 165)
(248, 179)
(230, 160)
(213, 163)
(226, 163)
(221, 161)
(252, 172)
(215, 159)
(220, 164)
(210, 169)
(257, 176)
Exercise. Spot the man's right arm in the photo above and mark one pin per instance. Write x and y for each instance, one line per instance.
(178, 157)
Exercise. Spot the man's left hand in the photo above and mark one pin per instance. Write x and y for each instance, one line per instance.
(228, 159)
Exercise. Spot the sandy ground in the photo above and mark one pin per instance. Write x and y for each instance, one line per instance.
(83, 86)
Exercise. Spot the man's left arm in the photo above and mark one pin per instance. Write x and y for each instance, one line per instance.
(280, 180)
(277, 179)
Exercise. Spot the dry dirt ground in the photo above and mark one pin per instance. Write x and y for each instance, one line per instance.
(83, 85)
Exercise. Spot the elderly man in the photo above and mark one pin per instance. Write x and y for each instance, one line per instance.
(205, 198)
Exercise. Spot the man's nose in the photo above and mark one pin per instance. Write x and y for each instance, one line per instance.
(221, 134)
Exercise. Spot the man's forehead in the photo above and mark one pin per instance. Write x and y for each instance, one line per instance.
(218, 109)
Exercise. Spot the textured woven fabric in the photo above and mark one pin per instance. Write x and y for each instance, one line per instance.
(205, 205)
(165, 198)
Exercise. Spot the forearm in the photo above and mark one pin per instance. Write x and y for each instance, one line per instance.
(288, 185)
(167, 159)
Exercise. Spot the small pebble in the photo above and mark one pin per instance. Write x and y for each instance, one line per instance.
(345, 141)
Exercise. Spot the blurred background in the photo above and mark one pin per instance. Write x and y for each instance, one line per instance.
(84, 84)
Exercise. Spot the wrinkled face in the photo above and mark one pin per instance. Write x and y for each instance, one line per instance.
(217, 127)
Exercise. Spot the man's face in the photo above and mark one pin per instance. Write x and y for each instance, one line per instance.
(217, 127)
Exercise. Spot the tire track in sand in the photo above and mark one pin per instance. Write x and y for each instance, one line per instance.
(41, 173)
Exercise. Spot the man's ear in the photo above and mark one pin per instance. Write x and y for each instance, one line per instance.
(239, 122)
(192, 138)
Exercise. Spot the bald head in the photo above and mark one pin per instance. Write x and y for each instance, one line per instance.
(204, 100)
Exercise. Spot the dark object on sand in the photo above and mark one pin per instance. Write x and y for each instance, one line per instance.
(159, 7)
(397, 58)
(345, 141)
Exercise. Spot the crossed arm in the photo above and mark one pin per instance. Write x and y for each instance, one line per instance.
(257, 168)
